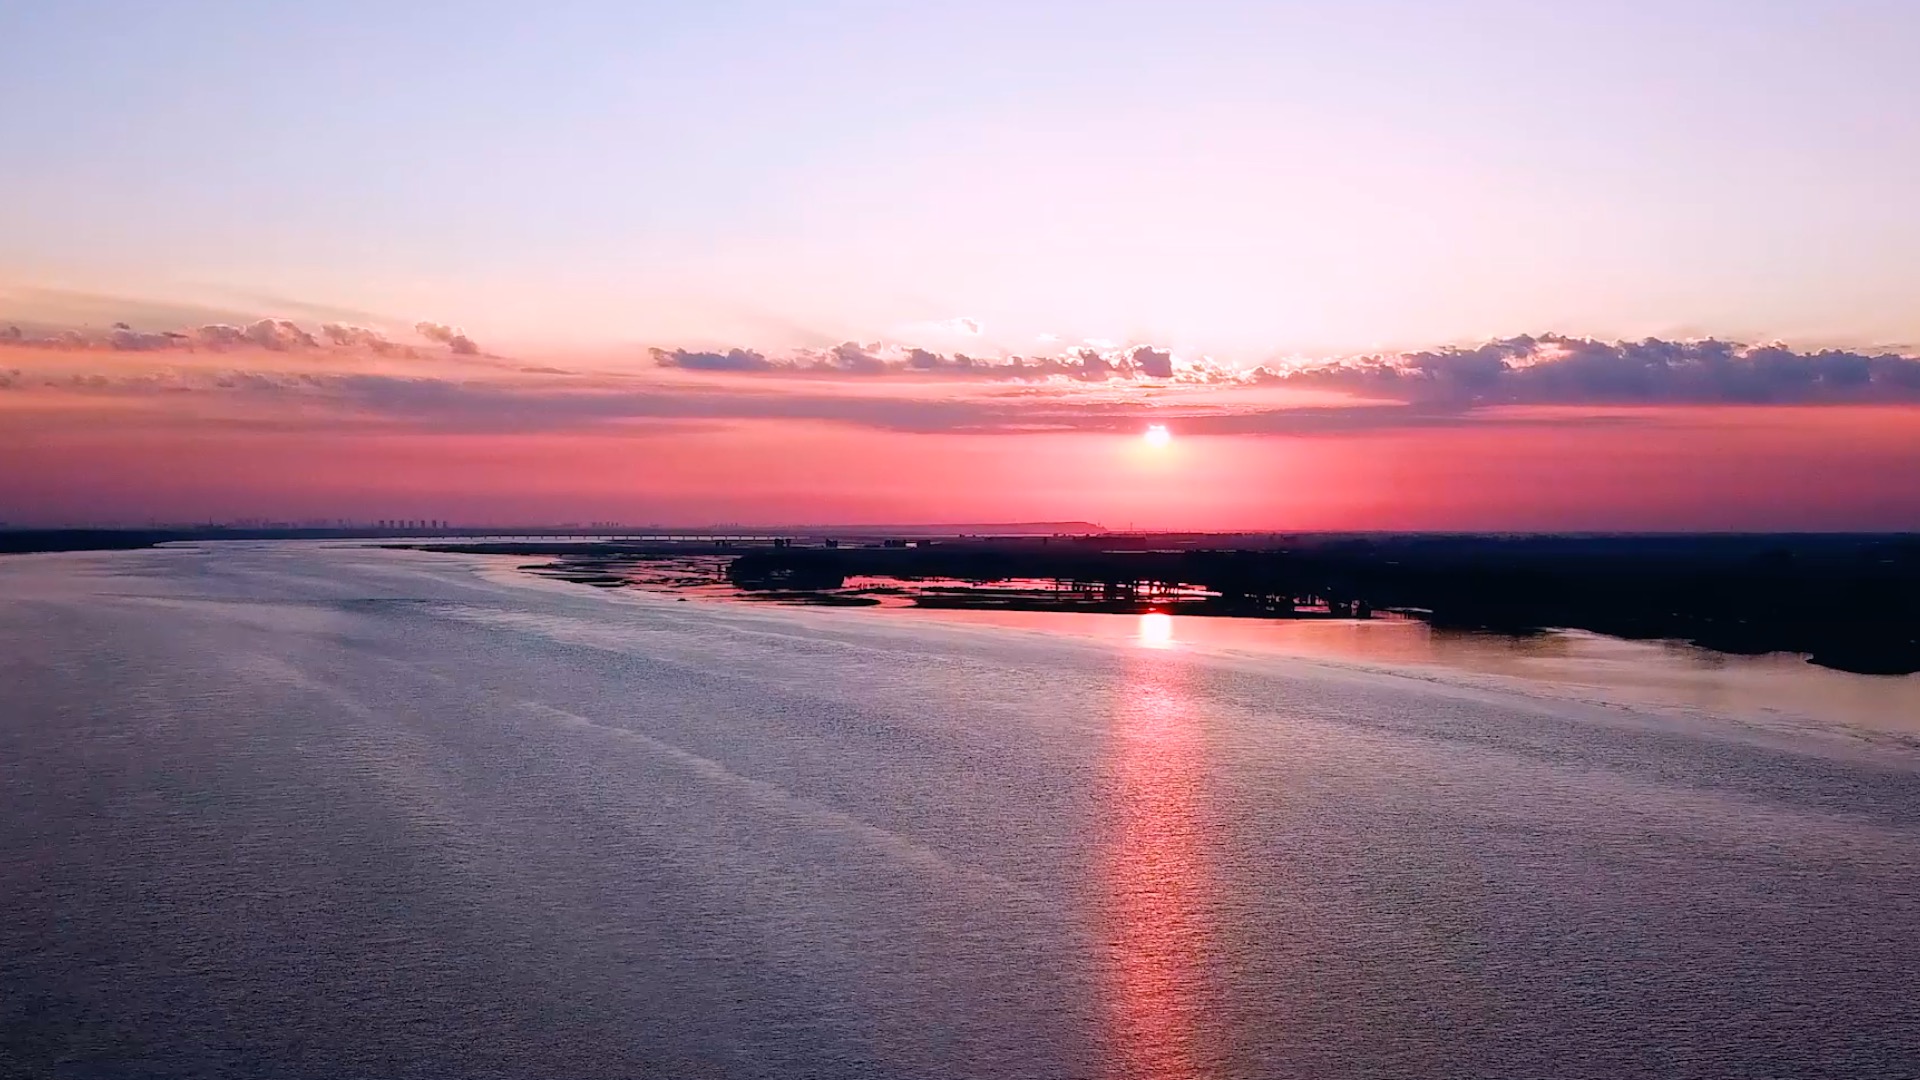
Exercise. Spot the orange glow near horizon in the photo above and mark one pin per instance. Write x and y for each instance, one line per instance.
(1156, 874)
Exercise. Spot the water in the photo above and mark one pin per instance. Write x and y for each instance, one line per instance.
(321, 811)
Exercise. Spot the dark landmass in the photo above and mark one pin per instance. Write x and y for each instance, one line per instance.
(27, 541)
(1850, 602)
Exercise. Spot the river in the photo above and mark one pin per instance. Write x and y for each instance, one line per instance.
(318, 810)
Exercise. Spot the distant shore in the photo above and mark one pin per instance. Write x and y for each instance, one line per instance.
(40, 541)
(1847, 603)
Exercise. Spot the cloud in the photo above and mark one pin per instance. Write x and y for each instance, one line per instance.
(274, 335)
(361, 337)
(1557, 370)
(341, 334)
(13, 336)
(731, 360)
(1546, 370)
(1153, 363)
(127, 339)
(459, 343)
(279, 335)
(852, 358)
(221, 336)
(964, 325)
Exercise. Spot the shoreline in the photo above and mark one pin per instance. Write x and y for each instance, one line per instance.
(688, 577)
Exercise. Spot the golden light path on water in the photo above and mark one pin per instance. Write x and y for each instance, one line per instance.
(1156, 873)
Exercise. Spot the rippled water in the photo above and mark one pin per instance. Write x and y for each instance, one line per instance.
(322, 811)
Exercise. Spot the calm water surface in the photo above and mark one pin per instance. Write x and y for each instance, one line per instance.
(311, 811)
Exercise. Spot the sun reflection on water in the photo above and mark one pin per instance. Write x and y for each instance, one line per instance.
(1156, 630)
(1156, 875)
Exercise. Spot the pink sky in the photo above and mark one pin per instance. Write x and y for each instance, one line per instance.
(948, 261)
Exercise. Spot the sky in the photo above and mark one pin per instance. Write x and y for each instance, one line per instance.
(1375, 265)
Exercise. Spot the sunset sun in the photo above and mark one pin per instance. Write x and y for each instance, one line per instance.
(1157, 435)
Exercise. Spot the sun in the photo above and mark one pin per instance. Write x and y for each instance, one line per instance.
(1157, 435)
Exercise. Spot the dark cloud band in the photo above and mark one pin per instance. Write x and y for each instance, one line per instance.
(274, 335)
(1525, 370)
